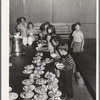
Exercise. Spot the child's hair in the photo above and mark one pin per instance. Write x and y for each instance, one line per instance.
(23, 18)
(47, 23)
(56, 39)
(63, 46)
(18, 20)
(53, 31)
(42, 27)
(78, 23)
(29, 24)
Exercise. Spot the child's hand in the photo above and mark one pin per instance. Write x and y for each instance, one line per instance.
(71, 45)
(82, 49)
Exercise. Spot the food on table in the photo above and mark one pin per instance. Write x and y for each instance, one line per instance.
(27, 71)
(41, 81)
(28, 87)
(50, 75)
(52, 85)
(55, 98)
(41, 96)
(27, 82)
(41, 89)
(13, 95)
(29, 67)
(54, 55)
(54, 93)
(27, 95)
(34, 76)
(10, 89)
(59, 65)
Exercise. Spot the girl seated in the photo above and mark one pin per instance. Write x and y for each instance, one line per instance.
(42, 35)
(50, 33)
(31, 32)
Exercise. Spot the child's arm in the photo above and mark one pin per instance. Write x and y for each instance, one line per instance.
(82, 44)
(72, 44)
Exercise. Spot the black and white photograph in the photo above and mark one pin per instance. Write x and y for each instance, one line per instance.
(50, 50)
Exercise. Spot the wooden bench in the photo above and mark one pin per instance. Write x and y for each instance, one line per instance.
(87, 67)
(62, 29)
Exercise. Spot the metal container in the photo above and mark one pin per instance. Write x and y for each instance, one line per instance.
(17, 47)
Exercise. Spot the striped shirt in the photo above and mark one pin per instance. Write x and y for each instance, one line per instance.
(68, 61)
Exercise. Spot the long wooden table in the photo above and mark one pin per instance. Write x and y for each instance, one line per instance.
(18, 63)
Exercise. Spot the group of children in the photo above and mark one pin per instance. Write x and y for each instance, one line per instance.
(56, 45)
(27, 31)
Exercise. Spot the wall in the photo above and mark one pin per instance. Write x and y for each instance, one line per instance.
(68, 11)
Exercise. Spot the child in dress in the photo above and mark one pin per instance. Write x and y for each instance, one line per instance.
(66, 72)
(78, 39)
(31, 32)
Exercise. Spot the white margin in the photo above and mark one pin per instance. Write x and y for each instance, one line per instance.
(97, 50)
(4, 49)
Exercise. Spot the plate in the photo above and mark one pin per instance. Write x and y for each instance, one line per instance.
(13, 95)
(60, 66)
(27, 71)
(28, 87)
(49, 75)
(29, 67)
(41, 81)
(55, 98)
(34, 76)
(41, 97)
(10, 89)
(54, 94)
(53, 55)
(27, 82)
(41, 89)
(27, 95)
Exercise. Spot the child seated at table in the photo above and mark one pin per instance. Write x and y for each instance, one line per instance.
(66, 72)
(31, 32)
(42, 35)
(50, 33)
(78, 39)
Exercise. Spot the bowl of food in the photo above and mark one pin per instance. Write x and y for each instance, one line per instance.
(60, 65)
(13, 96)
(27, 95)
(54, 55)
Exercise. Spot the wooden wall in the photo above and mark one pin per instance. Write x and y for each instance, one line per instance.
(58, 11)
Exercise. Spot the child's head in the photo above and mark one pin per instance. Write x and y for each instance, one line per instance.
(30, 25)
(22, 19)
(62, 48)
(51, 30)
(78, 26)
(56, 40)
(46, 24)
(18, 20)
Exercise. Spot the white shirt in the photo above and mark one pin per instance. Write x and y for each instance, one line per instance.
(77, 36)
(23, 29)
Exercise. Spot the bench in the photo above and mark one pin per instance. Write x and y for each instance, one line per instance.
(62, 29)
(87, 67)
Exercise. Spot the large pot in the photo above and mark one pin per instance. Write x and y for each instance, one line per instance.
(17, 47)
